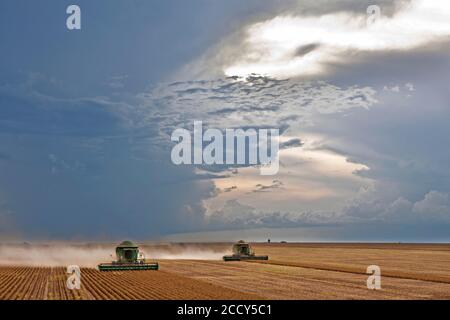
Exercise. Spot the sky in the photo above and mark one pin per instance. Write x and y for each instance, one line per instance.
(359, 94)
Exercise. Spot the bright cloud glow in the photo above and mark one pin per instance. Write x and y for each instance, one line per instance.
(308, 175)
(289, 46)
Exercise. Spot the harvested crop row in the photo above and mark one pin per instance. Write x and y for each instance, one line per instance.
(421, 261)
(284, 282)
(153, 285)
(17, 283)
(359, 270)
(50, 283)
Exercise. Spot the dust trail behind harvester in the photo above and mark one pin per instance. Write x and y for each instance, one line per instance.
(89, 256)
(192, 252)
(54, 255)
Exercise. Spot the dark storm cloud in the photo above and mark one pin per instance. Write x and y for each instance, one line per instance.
(103, 176)
(105, 160)
(85, 124)
(304, 50)
(292, 143)
(79, 159)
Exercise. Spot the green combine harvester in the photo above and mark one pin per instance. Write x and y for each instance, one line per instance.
(128, 258)
(243, 251)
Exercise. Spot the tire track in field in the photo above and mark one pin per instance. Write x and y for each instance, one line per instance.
(269, 283)
(355, 270)
(284, 282)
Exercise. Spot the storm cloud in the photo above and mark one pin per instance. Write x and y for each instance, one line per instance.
(362, 110)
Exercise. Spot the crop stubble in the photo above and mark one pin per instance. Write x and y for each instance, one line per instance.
(33, 283)
(294, 271)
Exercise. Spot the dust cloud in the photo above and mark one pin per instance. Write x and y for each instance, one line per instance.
(89, 256)
(54, 255)
(185, 253)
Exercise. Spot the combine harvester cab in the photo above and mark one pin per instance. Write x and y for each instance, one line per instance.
(243, 251)
(128, 258)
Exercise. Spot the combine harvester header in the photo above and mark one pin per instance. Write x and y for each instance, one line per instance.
(128, 258)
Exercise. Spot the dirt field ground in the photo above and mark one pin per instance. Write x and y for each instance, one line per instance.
(19, 283)
(294, 271)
